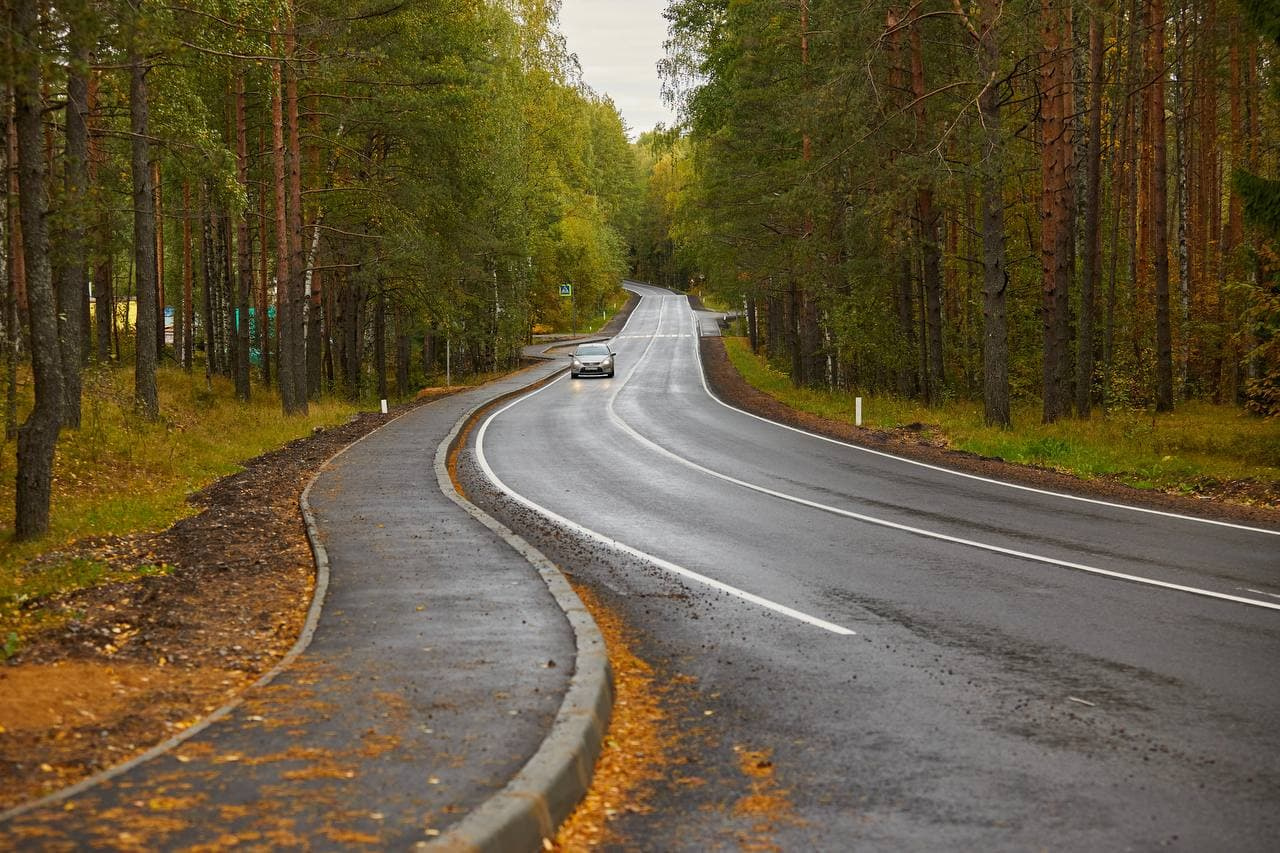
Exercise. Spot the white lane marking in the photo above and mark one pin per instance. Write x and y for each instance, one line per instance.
(930, 534)
(666, 565)
(1258, 591)
(981, 479)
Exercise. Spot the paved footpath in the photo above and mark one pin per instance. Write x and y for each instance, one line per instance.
(443, 662)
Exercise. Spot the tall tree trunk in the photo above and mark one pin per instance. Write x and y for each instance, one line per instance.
(1159, 205)
(102, 285)
(230, 303)
(928, 217)
(39, 433)
(74, 268)
(995, 283)
(901, 279)
(1054, 211)
(317, 321)
(208, 278)
(187, 320)
(284, 308)
(1182, 181)
(144, 234)
(380, 341)
(159, 231)
(297, 261)
(244, 249)
(1065, 252)
(402, 353)
(1092, 222)
(264, 305)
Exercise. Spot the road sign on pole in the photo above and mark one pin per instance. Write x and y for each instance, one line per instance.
(566, 290)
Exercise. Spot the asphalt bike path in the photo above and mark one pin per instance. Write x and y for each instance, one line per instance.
(453, 693)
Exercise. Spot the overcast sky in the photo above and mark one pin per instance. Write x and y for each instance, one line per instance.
(619, 43)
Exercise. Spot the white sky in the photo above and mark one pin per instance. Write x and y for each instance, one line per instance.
(619, 43)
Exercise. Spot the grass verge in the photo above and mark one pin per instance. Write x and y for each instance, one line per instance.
(120, 474)
(1183, 451)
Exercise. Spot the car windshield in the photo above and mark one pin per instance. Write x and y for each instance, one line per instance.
(592, 349)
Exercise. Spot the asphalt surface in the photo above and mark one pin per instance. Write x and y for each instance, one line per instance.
(1026, 671)
(437, 669)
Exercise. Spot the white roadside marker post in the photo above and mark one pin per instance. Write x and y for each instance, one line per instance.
(857, 411)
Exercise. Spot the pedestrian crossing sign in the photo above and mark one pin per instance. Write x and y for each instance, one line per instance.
(566, 290)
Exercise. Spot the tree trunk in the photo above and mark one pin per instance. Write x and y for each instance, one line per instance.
(1054, 210)
(159, 232)
(39, 434)
(995, 282)
(144, 235)
(244, 249)
(402, 353)
(1092, 222)
(74, 281)
(297, 262)
(208, 276)
(264, 310)
(1159, 205)
(929, 217)
(1183, 180)
(284, 307)
(380, 342)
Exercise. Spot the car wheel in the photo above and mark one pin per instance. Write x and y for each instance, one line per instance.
(610, 374)
(573, 375)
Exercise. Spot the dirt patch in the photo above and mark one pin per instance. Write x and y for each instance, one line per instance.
(1243, 502)
(131, 664)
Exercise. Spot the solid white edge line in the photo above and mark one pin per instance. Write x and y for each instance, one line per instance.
(968, 476)
(916, 530)
(666, 565)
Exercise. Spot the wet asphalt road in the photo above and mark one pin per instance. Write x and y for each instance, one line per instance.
(1001, 690)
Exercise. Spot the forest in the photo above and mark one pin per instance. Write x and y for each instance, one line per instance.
(992, 200)
(303, 197)
(998, 200)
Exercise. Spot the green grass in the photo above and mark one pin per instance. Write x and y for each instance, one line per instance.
(1196, 444)
(121, 474)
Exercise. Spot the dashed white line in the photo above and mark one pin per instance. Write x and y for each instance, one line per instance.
(702, 375)
(665, 565)
(930, 534)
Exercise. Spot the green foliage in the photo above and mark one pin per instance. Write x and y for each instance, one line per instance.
(1263, 16)
(803, 155)
(1261, 198)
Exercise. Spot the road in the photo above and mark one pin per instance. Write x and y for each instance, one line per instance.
(912, 658)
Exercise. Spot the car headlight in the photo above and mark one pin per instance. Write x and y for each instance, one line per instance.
(577, 363)
(608, 362)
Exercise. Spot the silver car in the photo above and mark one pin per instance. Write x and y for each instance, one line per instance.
(592, 359)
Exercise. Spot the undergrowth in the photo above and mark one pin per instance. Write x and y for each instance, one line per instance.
(120, 474)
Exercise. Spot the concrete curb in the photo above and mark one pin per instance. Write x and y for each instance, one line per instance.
(554, 780)
(321, 557)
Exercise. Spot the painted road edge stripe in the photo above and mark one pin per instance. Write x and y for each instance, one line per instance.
(666, 565)
(997, 549)
(977, 477)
